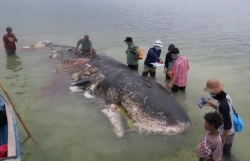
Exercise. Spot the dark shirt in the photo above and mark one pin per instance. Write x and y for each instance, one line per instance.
(152, 57)
(225, 112)
(9, 40)
(168, 59)
(224, 109)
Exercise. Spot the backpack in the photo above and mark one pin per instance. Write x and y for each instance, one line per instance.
(140, 54)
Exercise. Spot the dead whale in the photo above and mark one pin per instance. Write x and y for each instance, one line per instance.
(149, 105)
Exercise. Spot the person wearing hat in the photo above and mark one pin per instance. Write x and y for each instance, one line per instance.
(169, 62)
(132, 54)
(9, 41)
(179, 71)
(153, 56)
(227, 132)
(87, 47)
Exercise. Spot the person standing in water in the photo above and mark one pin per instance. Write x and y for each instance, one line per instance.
(169, 62)
(179, 71)
(9, 41)
(153, 56)
(132, 54)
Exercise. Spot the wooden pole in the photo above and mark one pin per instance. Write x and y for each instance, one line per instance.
(18, 115)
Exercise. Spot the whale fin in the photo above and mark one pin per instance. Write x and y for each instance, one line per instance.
(115, 119)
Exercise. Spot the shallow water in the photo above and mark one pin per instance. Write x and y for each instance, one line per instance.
(212, 34)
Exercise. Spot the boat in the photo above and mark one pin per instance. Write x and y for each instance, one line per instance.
(9, 138)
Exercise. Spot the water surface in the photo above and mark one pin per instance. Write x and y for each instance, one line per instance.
(212, 34)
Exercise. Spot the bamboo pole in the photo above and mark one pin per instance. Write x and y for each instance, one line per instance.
(18, 115)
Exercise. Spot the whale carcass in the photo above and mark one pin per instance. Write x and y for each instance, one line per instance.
(151, 107)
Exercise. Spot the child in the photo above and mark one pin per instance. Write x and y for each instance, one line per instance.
(210, 147)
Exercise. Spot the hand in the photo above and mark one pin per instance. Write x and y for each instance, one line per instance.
(208, 103)
(170, 72)
(165, 71)
(126, 51)
(90, 56)
(6, 51)
(223, 143)
(161, 61)
(170, 85)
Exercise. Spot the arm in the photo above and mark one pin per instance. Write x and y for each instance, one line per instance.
(153, 54)
(170, 85)
(77, 47)
(225, 112)
(224, 135)
(176, 70)
(208, 103)
(90, 49)
(166, 60)
(5, 46)
(90, 52)
(15, 39)
(126, 51)
(166, 64)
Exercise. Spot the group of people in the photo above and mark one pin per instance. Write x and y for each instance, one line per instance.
(219, 126)
(176, 66)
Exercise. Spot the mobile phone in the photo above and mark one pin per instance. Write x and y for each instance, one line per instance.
(201, 102)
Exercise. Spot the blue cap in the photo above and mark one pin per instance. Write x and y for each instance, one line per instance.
(171, 46)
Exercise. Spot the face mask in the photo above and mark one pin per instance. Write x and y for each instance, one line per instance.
(157, 48)
(175, 56)
(212, 94)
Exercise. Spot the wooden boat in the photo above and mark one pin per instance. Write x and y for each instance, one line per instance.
(8, 132)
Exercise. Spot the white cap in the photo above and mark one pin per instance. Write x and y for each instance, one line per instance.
(158, 43)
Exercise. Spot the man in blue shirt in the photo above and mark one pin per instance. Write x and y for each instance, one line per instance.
(153, 56)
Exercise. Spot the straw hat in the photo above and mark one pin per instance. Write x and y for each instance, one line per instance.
(213, 86)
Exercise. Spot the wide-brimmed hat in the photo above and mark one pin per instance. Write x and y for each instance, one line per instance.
(213, 86)
(128, 39)
(158, 43)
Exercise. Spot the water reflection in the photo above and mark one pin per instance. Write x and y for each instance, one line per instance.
(13, 64)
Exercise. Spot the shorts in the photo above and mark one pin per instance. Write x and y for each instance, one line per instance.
(133, 67)
(176, 88)
(228, 144)
(87, 50)
(150, 70)
(11, 52)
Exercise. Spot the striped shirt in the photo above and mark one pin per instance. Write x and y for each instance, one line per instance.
(180, 70)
